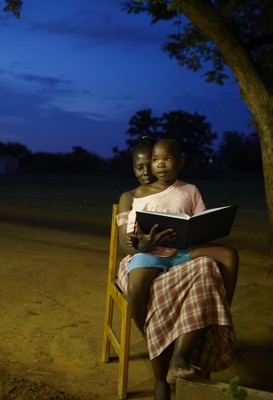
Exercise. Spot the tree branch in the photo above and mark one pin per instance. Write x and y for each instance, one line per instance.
(213, 25)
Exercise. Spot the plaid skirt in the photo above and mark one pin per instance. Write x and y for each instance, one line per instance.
(188, 297)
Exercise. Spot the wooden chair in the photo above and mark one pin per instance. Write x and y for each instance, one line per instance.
(115, 297)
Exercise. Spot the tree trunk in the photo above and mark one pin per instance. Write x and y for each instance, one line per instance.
(266, 137)
(253, 91)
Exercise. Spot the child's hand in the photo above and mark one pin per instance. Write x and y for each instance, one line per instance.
(163, 237)
(144, 242)
(132, 240)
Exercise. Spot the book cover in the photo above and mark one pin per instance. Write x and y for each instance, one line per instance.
(208, 225)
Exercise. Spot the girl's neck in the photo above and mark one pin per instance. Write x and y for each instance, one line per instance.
(163, 184)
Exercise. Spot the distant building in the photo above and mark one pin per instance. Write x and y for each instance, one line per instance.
(8, 164)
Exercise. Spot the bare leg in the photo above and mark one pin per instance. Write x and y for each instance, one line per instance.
(179, 367)
(160, 367)
(139, 284)
(229, 260)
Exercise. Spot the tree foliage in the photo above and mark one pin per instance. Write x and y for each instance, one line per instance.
(142, 123)
(251, 22)
(192, 130)
(79, 160)
(16, 150)
(241, 152)
(14, 6)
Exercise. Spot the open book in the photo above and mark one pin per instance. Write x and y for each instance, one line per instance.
(208, 225)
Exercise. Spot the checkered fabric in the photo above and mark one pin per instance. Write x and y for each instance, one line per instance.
(188, 297)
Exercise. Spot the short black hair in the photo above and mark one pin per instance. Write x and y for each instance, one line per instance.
(174, 145)
(144, 143)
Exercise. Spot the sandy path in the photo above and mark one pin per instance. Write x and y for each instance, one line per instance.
(52, 293)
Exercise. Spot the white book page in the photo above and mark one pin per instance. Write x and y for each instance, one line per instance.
(182, 215)
(210, 210)
(166, 214)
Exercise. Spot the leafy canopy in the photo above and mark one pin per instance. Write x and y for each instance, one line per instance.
(192, 130)
(250, 21)
(14, 6)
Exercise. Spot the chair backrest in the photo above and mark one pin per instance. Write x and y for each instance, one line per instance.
(113, 251)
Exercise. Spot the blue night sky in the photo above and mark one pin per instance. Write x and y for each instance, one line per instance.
(73, 72)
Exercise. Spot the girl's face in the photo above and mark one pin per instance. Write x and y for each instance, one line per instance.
(165, 164)
(142, 167)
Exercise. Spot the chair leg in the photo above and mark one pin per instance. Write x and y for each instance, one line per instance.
(109, 310)
(124, 352)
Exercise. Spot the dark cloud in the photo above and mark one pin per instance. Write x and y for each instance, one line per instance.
(95, 27)
(23, 104)
(48, 81)
(20, 104)
(39, 91)
(30, 120)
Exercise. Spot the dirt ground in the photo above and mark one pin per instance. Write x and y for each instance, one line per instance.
(52, 296)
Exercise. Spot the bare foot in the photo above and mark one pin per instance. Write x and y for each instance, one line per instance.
(182, 371)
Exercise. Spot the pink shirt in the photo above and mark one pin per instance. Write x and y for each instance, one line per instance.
(179, 197)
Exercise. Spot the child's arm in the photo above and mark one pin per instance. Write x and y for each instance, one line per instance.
(125, 205)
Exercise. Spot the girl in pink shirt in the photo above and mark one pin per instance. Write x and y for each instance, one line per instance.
(150, 259)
